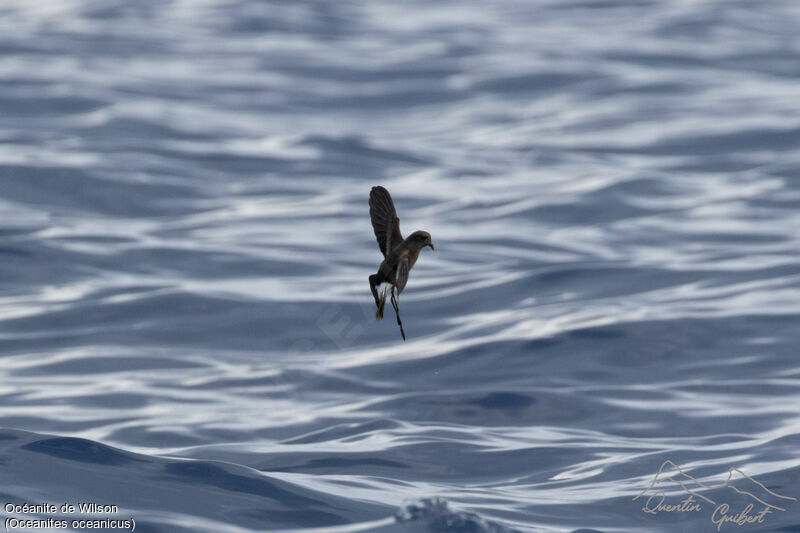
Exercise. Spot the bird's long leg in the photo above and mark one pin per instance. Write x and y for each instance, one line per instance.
(397, 313)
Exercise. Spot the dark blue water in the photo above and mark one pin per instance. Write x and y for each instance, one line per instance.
(186, 327)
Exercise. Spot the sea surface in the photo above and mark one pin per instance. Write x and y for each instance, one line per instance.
(187, 330)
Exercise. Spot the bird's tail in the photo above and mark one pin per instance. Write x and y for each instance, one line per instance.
(379, 293)
(381, 304)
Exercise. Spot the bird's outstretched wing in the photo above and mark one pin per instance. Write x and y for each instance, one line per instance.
(384, 219)
(402, 274)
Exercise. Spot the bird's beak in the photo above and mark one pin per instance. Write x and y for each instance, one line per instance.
(431, 245)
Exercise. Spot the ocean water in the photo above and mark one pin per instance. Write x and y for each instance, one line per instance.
(186, 326)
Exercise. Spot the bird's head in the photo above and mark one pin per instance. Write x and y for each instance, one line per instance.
(421, 239)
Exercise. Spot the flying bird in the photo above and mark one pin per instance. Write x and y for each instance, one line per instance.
(399, 254)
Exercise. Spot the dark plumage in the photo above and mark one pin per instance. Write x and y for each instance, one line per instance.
(399, 254)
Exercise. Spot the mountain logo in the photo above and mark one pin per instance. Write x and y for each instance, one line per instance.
(759, 501)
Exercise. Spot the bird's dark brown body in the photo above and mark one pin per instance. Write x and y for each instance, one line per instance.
(400, 254)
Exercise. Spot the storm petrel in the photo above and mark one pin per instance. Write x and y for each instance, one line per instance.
(399, 254)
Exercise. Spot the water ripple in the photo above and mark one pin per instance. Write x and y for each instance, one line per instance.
(612, 189)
